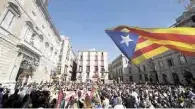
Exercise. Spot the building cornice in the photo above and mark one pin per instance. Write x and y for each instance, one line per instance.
(47, 17)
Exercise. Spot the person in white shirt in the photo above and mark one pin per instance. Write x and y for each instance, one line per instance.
(105, 102)
(135, 95)
(119, 104)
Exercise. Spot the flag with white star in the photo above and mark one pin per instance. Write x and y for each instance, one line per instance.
(126, 42)
(136, 48)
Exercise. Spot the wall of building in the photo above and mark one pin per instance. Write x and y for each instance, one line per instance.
(68, 57)
(88, 58)
(30, 37)
(119, 69)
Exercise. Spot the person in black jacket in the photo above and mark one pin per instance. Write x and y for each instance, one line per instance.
(5, 98)
(129, 101)
(14, 101)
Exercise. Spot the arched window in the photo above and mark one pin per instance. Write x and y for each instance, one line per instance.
(175, 78)
(30, 24)
(46, 44)
(165, 78)
(28, 33)
(41, 38)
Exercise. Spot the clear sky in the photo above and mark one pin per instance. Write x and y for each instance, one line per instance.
(84, 21)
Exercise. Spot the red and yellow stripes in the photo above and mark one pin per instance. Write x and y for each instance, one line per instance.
(146, 49)
(180, 39)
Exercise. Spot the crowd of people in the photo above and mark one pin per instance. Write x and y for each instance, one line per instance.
(100, 96)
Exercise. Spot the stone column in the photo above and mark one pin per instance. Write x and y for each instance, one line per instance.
(14, 72)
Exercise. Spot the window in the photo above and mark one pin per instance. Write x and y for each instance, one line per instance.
(146, 77)
(102, 68)
(131, 78)
(96, 57)
(65, 69)
(68, 54)
(144, 67)
(28, 34)
(41, 38)
(33, 13)
(88, 68)
(96, 68)
(32, 39)
(170, 62)
(87, 74)
(140, 77)
(141, 68)
(37, 28)
(129, 69)
(9, 16)
(80, 69)
(81, 57)
(160, 63)
(7, 20)
(182, 60)
(155, 67)
(88, 56)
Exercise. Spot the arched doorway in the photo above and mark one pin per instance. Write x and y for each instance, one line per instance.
(151, 80)
(175, 78)
(156, 77)
(146, 77)
(188, 76)
(25, 71)
(131, 78)
(165, 79)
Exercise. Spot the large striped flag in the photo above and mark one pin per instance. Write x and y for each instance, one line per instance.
(181, 39)
(133, 46)
(146, 49)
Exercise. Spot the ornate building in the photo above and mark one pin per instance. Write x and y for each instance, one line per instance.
(119, 69)
(68, 61)
(92, 65)
(29, 42)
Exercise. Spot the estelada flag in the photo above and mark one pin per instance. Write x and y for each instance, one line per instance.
(181, 39)
(134, 47)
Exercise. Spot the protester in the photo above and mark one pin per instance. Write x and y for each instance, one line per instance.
(1, 97)
(99, 96)
(119, 104)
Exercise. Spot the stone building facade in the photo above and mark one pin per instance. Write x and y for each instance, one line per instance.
(119, 69)
(144, 72)
(29, 42)
(122, 71)
(68, 60)
(92, 65)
